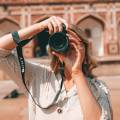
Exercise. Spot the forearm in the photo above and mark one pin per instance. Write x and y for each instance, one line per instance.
(90, 107)
(53, 24)
(6, 42)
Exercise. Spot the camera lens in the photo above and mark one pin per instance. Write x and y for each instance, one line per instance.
(59, 42)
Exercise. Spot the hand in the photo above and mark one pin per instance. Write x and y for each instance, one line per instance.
(74, 58)
(79, 50)
(54, 24)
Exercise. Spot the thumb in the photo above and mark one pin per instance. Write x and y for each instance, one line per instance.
(60, 56)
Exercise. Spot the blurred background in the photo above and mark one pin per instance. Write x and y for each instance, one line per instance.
(99, 18)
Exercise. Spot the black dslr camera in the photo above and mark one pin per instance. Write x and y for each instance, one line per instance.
(58, 41)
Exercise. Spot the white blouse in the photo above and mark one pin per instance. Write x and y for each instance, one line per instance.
(44, 85)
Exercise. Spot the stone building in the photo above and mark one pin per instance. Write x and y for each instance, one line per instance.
(99, 18)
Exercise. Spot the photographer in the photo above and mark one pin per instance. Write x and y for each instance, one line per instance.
(67, 90)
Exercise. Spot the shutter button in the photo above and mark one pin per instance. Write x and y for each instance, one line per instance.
(59, 110)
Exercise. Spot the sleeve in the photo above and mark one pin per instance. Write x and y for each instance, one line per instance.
(104, 101)
(9, 64)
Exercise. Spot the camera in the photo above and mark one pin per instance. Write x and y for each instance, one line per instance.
(59, 41)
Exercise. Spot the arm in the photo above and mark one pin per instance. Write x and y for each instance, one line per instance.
(9, 62)
(90, 107)
(53, 24)
(104, 100)
(93, 109)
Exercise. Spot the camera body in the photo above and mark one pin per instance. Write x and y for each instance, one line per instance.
(59, 41)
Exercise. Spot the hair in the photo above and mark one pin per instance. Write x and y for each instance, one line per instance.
(88, 63)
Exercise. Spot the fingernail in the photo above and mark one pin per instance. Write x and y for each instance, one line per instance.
(53, 52)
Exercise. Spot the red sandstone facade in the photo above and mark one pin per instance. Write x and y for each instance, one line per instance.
(101, 20)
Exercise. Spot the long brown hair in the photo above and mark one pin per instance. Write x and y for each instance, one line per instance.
(88, 64)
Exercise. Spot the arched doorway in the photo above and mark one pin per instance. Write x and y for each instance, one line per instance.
(118, 31)
(7, 26)
(94, 29)
(118, 35)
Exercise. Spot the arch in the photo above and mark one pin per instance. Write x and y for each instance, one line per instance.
(10, 19)
(94, 28)
(118, 31)
(8, 25)
(96, 17)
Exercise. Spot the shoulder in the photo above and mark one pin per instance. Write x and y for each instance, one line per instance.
(100, 85)
(99, 89)
(38, 65)
(102, 93)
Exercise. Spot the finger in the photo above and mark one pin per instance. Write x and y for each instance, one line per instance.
(72, 39)
(75, 41)
(78, 45)
(61, 57)
(78, 54)
(77, 48)
(50, 28)
(54, 24)
(63, 21)
(59, 24)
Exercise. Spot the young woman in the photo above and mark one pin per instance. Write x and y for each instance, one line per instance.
(81, 97)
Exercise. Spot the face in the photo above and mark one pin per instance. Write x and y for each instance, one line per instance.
(71, 55)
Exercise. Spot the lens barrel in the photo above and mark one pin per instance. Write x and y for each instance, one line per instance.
(59, 41)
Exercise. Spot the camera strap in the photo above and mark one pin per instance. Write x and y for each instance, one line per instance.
(19, 45)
